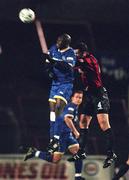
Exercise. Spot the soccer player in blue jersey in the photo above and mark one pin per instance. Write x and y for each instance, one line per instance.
(66, 131)
(61, 60)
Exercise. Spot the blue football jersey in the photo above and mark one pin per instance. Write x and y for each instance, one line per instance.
(63, 72)
(70, 110)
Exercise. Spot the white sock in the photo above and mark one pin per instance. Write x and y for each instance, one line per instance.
(37, 153)
(52, 116)
(78, 175)
(57, 137)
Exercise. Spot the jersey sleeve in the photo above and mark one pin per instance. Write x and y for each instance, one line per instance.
(52, 50)
(69, 112)
(71, 58)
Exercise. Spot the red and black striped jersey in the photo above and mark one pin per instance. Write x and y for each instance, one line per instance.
(89, 70)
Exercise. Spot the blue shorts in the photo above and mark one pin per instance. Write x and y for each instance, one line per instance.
(66, 140)
(61, 91)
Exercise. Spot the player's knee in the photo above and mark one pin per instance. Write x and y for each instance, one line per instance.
(104, 124)
(56, 157)
(74, 149)
(52, 106)
(60, 103)
(59, 108)
(84, 122)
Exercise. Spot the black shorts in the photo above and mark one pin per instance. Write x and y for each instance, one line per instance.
(95, 103)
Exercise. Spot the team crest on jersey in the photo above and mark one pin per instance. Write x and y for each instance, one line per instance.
(71, 109)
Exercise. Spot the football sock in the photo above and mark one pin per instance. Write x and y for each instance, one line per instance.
(44, 156)
(109, 139)
(83, 138)
(123, 169)
(78, 167)
(52, 124)
(57, 127)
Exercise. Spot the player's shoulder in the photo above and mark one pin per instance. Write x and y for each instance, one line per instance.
(71, 50)
(71, 54)
(70, 106)
(69, 110)
(92, 56)
(53, 48)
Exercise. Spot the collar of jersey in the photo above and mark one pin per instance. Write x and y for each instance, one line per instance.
(75, 105)
(63, 50)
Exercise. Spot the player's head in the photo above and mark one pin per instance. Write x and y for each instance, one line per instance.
(81, 49)
(63, 41)
(77, 97)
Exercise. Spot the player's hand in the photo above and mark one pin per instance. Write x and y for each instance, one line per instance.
(47, 61)
(46, 56)
(81, 60)
(77, 134)
(80, 71)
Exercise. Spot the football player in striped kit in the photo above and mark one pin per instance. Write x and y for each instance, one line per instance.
(96, 101)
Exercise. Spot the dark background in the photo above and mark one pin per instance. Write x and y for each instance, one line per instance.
(24, 87)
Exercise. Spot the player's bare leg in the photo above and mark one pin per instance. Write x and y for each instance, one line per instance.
(84, 121)
(103, 120)
(60, 104)
(57, 156)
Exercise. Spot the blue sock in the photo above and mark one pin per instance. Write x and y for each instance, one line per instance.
(52, 124)
(57, 126)
(78, 167)
(45, 156)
